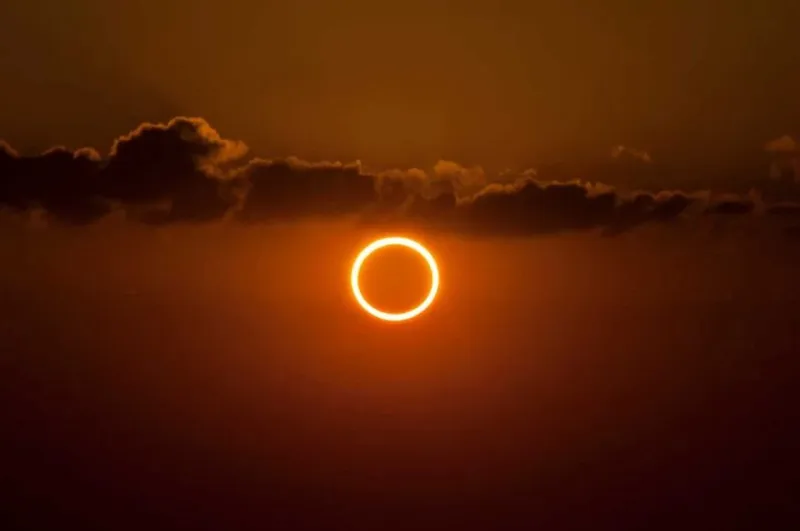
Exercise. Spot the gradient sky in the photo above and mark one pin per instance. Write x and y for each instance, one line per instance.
(205, 376)
(179, 343)
(497, 83)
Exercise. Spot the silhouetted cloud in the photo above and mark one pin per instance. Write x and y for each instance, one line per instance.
(783, 144)
(184, 170)
(291, 188)
(785, 166)
(65, 183)
(6, 151)
(645, 207)
(180, 162)
(531, 207)
(464, 181)
(622, 152)
(528, 206)
(739, 206)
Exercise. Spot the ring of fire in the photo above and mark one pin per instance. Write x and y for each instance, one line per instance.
(380, 244)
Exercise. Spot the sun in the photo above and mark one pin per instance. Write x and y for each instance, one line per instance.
(388, 242)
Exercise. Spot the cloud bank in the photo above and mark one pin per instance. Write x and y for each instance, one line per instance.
(184, 171)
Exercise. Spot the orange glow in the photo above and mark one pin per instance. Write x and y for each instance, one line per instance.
(386, 242)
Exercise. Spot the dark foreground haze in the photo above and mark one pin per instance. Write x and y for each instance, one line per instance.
(221, 377)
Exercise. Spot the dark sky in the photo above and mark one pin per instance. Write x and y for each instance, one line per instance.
(497, 83)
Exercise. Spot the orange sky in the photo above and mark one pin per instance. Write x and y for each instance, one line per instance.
(615, 337)
(408, 83)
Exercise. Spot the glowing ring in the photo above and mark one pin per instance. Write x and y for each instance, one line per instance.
(387, 242)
